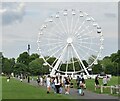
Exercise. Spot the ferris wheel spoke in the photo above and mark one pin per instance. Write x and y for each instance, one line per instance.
(88, 48)
(67, 25)
(55, 53)
(61, 36)
(51, 39)
(49, 44)
(55, 35)
(57, 47)
(79, 27)
(59, 27)
(63, 25)
(87, 53)
(71, 26)
(82, 32)
(85, 34)
(76, 25)
(82, 51)
(89, 43)
(86, 38)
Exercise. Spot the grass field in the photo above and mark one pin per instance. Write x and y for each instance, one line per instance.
(20, 90)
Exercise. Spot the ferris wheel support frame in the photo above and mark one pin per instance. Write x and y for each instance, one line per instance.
(80, 61)
(61, 57)
(58, 62)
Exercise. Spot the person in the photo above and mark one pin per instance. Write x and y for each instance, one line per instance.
(78, 81)
(61, 85)
(105, 81)
(97, 82)
(38, 80)
(21, 79)
(41, 80)
(67, 85)
(83, 82)
(48, 84)
(82, 86)
(53, 84)
(8, 78)
(44, 80)
(28, 79)
(57, 84)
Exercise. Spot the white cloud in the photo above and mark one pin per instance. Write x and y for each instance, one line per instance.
(12, 13)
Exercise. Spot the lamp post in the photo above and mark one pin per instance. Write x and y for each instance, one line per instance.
(28, 49)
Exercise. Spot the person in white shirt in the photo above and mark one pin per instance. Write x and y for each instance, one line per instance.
(41, 81)
(57, 84)
(104, 81)
(48, 84)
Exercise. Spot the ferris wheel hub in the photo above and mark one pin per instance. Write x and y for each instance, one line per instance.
(69, 40)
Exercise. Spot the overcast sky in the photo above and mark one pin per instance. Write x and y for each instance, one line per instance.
(21, 23)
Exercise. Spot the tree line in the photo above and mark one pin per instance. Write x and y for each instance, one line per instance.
(33, 65)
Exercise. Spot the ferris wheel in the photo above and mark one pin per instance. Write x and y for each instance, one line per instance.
(70, 41)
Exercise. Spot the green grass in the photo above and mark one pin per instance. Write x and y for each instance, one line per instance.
(20, 90)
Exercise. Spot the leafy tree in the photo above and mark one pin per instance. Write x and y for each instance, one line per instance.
(7, 65)
(20, 68)
(33, 57)
(97, 69)
(36, 66)
(23, 58)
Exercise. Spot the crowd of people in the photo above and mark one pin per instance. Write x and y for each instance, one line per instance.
(57, 83)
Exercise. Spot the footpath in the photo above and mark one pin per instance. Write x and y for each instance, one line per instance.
(88, 94)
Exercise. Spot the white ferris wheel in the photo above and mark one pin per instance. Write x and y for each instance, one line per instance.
(70, 42)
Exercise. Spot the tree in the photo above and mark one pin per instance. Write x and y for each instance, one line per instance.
(33, 57)
(7, 65)
(97, 69)
(23, 58)
(20, 68)
(36, 66)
